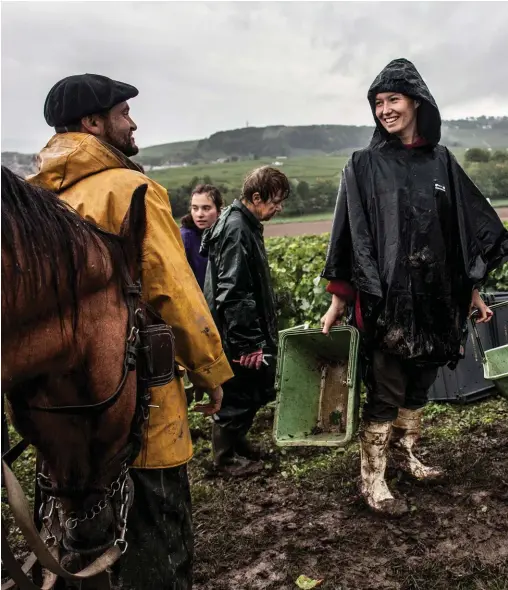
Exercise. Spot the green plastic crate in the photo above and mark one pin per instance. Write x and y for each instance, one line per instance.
(495, 360)
(495, 368)
(317, 387)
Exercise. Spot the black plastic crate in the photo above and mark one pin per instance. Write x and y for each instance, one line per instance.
(466, 383)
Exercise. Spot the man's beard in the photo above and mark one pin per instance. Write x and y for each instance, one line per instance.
(123, 145)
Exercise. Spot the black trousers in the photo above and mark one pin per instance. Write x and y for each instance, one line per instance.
(394, 383)
(160, 536)
(244, 395)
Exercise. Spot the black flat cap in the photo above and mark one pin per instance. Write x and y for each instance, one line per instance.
(75, 97)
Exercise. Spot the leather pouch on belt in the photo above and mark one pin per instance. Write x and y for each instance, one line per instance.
(158, 353)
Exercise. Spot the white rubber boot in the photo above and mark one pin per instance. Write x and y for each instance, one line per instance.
(374, 439)
(405, 434)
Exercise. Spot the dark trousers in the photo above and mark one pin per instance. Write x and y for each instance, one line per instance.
(160, 537)
(394, 383)
(244, 395)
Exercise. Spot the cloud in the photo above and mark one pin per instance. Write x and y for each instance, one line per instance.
(208, 66)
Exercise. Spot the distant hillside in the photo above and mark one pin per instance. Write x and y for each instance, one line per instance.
(274, 141)
(281, 141)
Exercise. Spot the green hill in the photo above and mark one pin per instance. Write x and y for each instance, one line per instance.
(267, 144)
(312, 140)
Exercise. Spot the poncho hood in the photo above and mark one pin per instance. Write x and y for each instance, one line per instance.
(400, 75)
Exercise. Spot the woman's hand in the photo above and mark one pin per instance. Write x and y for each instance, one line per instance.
(477, 303)
(334, 314)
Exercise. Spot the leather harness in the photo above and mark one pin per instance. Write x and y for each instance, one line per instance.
(149, 349)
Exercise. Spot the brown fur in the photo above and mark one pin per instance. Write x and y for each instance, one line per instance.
(48, 360)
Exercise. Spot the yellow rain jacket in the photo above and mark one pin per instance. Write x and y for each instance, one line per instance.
(98, 182)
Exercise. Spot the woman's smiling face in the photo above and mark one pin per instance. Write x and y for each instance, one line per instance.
(396, 112)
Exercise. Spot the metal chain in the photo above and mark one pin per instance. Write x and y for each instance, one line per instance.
(46, 520)
(118, 484)
(122, 523)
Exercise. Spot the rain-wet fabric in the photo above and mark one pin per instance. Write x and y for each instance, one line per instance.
(238, 286)
(412, 234)
(238, 289)
(393, 383)
(98, 181)
(191, 237)
(159, 533)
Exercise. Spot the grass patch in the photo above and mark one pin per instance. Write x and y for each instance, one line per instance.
(231, 174)
(450, 421)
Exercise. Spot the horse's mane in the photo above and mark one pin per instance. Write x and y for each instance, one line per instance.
(47, 243)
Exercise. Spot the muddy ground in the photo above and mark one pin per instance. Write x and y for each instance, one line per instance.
(303, 515)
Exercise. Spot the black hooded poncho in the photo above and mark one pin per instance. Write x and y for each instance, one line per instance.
(412, 233)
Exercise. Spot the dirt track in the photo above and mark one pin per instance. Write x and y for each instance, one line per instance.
(264, 532)
(313, 228)
(321, 227)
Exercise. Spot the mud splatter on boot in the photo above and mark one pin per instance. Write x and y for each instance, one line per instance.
(405, 434)
(374, 438)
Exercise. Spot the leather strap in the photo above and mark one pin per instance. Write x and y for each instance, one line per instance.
(17, 573)
(132, 295)
(22, 516)
(15, 452)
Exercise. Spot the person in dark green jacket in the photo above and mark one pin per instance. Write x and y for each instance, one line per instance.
(238, 290)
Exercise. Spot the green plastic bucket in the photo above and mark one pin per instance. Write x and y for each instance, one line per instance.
(495, 368)
(317, 387)
(495, 360)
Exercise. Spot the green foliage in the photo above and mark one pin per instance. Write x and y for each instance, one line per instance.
(498, 279)
(499, 156)
(477, 155)
(491, 176)
(296, 265)
(449, 421)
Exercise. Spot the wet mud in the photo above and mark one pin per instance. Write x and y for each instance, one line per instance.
(264, 532)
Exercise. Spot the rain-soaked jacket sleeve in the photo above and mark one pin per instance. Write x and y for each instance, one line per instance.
(234, 295)
(484, 239)
(339, 255)
(171, 288)
(350, 224)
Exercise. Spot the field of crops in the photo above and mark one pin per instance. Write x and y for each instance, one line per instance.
(231, 174)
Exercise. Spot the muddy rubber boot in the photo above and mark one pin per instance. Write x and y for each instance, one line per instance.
(405, 434)
(374, 439)
(223, 448)
(225, 459)
(244, 448)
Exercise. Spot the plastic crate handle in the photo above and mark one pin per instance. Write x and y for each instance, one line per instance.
(475, 329)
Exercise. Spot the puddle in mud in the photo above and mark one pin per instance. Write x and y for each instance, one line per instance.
(333, 398)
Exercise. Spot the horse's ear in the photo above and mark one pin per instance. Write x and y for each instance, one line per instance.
(133, 230)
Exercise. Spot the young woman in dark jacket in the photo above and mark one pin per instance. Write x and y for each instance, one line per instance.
(412, 241)
(205, 206)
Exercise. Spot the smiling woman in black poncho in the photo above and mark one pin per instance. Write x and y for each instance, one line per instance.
(412, 240)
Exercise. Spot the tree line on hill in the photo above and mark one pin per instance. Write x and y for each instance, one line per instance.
(489, 171)
(290, 141)
(305, 198)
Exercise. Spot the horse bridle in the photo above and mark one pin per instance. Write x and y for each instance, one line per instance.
(43, 543)
(135, 323)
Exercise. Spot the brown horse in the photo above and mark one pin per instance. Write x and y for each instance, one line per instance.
(70, 298)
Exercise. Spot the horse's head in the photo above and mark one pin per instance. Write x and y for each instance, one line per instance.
(69, 372)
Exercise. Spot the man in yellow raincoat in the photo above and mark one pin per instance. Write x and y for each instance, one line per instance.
(87, 163)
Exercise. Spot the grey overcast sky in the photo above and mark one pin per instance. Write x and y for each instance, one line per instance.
(203, 67)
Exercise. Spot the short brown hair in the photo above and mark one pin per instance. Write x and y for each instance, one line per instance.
(266, 181)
